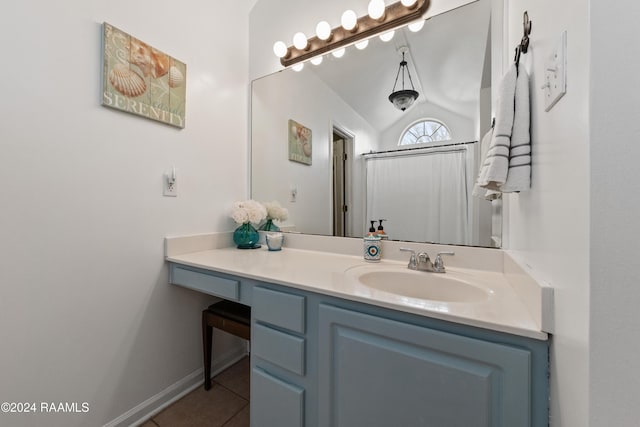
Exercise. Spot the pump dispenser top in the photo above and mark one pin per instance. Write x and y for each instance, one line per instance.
(381, 233)
(372, 229)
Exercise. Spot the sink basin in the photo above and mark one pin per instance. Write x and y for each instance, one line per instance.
(443, 287)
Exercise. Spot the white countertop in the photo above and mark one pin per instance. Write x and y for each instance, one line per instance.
(323, 272)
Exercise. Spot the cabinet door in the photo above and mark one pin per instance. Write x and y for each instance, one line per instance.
(378, 372)
(275, 402)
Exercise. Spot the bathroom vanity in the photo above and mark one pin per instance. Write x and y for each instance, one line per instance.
(329, 351)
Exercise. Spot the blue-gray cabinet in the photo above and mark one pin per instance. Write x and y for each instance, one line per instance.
(278, 358)
(377, 372)
(321, 361)
(277, 402)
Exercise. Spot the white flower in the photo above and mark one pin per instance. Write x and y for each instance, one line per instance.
(275, 211)
(248, 211)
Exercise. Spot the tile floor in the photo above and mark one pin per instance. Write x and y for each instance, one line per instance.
(225, 405)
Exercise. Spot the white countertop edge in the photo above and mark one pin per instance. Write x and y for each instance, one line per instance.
(532, 332)
(513, 330)
(536, 293)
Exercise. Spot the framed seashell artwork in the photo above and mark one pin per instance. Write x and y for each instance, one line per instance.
(142, 80)
(299, 143)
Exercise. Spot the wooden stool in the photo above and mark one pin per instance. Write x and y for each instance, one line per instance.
(229, 316)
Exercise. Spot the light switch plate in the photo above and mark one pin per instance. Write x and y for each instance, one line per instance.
(555, 73)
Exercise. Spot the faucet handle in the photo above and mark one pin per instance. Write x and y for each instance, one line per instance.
(438, 264)
(413, 264)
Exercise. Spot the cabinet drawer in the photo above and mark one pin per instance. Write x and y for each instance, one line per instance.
(284, 350)
(280, 404)
(209, 284)
(279, 309)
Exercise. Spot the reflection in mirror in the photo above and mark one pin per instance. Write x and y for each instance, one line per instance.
(328, 145)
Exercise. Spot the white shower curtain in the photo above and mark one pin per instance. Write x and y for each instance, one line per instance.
(423, 195)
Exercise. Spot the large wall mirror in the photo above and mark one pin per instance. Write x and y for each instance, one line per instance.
(325, 141)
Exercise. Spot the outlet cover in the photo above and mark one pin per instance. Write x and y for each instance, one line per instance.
(170, 186)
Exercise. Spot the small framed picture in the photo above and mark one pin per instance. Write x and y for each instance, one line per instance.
(142, 80)
(299, 143)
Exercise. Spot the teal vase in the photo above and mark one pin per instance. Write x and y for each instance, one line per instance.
(246, 237)
(269, 226)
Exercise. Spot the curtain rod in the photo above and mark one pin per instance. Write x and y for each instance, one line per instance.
(370, 153)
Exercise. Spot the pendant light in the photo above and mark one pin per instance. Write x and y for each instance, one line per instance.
(404, 98)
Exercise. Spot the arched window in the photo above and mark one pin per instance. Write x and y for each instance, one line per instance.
(425, 131)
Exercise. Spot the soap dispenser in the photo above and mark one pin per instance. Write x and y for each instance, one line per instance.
(372, 230)
(372, 248)
(381, 233)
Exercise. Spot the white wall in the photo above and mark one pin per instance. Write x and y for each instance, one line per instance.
(85, 307)
(579, 225)
(615, 292)
(548, 227)
(303, 97)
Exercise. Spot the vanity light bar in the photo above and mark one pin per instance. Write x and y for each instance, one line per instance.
(395, 16)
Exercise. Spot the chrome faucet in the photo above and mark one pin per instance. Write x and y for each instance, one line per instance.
(438, 264)
(422, 262)
(413, 264)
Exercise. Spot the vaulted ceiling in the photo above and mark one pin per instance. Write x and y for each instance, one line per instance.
(446, 60)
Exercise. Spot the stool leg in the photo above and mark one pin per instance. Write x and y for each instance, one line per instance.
(207, 335)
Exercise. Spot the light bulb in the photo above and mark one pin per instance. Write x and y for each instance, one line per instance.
(349, 20)
(414, 27)
(339, 53)
(362, 45)
(298, 67)
(300, 41)
(408, 3)
(280, 49)
(385, 37)
(316, 60)
(376, 9)
(323, 30)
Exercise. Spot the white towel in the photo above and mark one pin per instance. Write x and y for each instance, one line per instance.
(496, 165)
(484, 148)
(519, 176)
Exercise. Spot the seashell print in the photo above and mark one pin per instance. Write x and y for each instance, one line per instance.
(140, 56)
(306, 149)
(126, 81)
(176, 78)
(150, 60)
(160, 62)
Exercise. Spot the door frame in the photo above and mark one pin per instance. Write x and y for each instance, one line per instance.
(349, 142)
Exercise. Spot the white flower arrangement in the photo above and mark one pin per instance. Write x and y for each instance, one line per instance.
(276, 212)
(248, 211)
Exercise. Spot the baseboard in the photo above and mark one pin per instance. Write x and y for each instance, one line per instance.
(152, 406)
